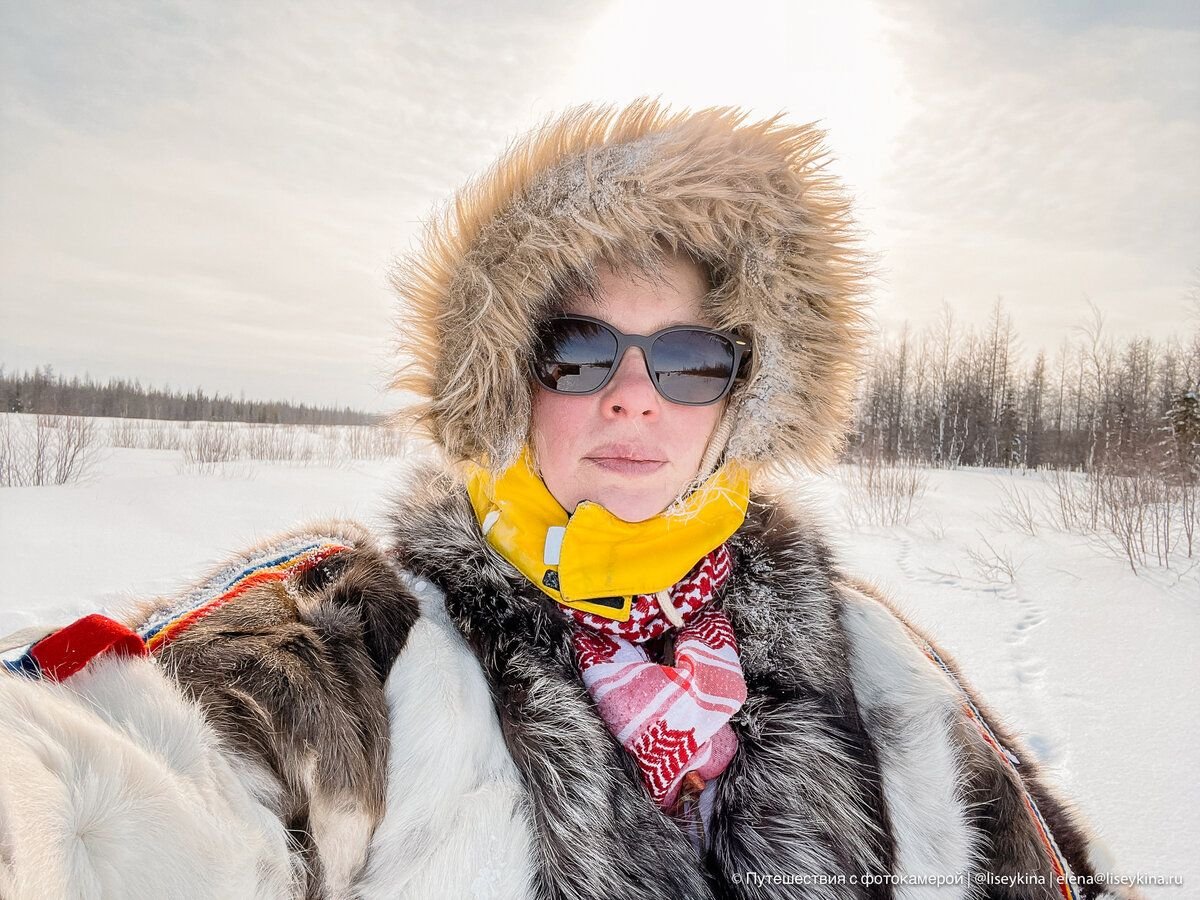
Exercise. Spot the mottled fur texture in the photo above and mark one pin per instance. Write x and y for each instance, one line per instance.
(287, 680)
(291, 676)
(821, 782)
(751, 201)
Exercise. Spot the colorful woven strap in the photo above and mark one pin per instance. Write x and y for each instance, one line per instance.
(64, 652)
(1057, 861)
(274, 564)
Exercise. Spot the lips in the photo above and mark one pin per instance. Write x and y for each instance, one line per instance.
(626, 459)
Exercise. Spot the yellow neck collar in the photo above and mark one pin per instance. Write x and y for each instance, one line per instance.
(590, 559)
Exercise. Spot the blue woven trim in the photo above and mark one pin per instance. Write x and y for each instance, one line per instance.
(224, 580)
(24, 664)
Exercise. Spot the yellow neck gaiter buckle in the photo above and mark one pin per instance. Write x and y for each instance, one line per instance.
(591, 560)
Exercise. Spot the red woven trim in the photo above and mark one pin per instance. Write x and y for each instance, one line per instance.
(1009, 760)
(66, 651)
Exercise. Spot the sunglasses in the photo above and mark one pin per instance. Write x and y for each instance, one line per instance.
(688, 364)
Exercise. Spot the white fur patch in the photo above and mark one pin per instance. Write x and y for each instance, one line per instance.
(456, 822)
(112, 785)
(907, 707)
(342, 835)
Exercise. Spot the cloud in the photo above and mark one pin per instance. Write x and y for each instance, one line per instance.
(212, 193)
(189, 192)
(1045, 160)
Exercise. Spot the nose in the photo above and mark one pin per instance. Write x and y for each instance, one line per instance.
(631, 393)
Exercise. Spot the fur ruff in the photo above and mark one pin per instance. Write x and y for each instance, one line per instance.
(855, 759)
(751, 201)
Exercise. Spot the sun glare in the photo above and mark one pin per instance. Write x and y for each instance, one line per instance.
(828, 63)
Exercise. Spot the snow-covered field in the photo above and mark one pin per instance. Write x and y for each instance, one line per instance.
(1096, 666)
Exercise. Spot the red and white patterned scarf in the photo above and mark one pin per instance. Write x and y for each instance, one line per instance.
(673, 719)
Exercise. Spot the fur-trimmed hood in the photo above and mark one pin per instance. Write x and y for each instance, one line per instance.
(751, 201)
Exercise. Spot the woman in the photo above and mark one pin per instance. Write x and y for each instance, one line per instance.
(631, 675)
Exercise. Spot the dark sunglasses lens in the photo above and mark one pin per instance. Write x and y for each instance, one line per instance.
(572, 356)
(692, 366)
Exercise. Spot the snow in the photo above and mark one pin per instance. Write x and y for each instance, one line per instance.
(1096, 666)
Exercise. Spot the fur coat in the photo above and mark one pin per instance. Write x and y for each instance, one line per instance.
(860, 771)
(249, 757)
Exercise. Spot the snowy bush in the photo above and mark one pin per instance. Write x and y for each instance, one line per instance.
(881, 494)
(42, 450)
(275, 443)
(209, 446)
(1143, 511)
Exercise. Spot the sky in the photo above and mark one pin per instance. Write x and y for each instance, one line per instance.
(211, 194)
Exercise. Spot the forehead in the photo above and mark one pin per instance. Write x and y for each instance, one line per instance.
(643, 302)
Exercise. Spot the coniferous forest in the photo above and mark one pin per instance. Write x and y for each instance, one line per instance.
(43, 392)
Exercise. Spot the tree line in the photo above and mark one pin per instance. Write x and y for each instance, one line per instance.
(947, 396)
(42, 391)
(951, 396)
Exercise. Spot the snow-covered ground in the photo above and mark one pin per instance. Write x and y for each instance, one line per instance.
(1096, 666)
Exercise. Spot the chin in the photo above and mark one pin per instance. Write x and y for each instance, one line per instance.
(631, 508)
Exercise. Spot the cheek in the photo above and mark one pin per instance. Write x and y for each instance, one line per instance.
(557, 424)
(690, 428)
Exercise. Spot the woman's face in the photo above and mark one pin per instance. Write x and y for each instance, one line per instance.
(626, 447)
